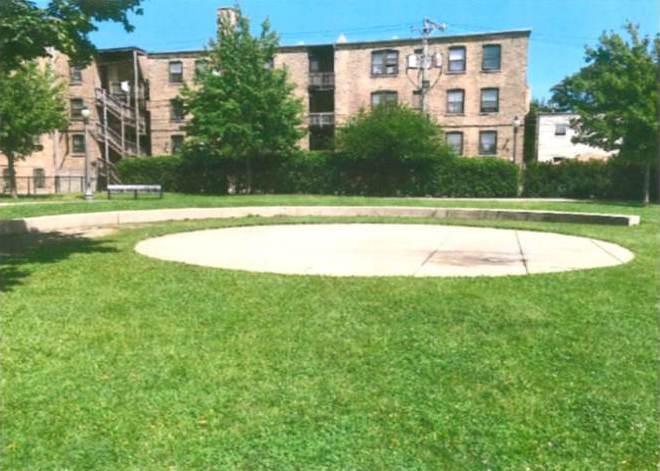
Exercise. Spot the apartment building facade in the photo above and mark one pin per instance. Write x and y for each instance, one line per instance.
(479, 91)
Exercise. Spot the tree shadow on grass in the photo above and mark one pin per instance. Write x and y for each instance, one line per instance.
(20, 252)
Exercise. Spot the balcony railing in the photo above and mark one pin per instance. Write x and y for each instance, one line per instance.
(322, 119)
(321, 79)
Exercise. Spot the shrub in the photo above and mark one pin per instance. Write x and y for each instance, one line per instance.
(192, 174)
(477, 177)
(596, 179)
(390, 150)
(164, 170)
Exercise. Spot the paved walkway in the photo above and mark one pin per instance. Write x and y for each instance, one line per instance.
(385, 250)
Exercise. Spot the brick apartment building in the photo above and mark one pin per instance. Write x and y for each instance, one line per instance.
(130, 93)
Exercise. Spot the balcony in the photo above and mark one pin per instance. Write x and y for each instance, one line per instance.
(322, 80)
(321, 120)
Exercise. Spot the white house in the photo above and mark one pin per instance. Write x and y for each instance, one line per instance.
(554, 140)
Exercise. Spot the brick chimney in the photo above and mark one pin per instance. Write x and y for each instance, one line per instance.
(227, 14)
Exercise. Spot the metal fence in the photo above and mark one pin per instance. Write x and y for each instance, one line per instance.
(45, 185)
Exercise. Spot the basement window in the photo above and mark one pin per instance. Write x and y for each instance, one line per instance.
(39, 177)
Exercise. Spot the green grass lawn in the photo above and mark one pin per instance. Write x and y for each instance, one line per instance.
(111, 360)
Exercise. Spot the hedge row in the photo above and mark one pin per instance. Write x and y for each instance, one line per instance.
(612, 179)
(328, 173)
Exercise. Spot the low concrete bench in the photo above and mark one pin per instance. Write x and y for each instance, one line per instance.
(135, 189)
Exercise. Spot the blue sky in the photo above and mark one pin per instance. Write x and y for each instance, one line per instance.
(560, 28)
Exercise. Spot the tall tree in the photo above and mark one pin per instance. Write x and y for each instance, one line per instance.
(31, 104)
(241, 106)
(531, 132)
(26, 30)
(615, 96)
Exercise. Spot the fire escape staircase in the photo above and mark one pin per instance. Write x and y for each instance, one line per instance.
(116, 138)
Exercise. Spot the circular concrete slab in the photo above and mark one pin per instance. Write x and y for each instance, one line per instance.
(384, 250)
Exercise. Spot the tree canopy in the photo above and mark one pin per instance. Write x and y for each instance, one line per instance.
(31, 104)
(615, 96)
(240, 105)
(392, 146)
(26, 30)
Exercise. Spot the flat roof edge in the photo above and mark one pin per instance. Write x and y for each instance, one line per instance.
(356, 44)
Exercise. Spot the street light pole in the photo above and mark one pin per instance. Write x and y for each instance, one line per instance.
(88, 196)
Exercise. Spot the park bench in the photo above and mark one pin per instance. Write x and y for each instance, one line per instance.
(135, 189)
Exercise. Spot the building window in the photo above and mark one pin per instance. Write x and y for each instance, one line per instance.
(78, 143)
(176, 143)
(487, 142)
(176, 110)
(385, 63)
(416, 100)
(176, 71)
(383, 98)
(455, 141)
(490, 100)
(77, 105)
(200, 67)
(560, 129)
(455, 101)
(39, 177)
(75, 74)
(491, 57)
(457, 59)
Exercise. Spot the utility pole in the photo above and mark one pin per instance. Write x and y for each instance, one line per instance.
(424, 86)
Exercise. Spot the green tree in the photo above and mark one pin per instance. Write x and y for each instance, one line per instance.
(615, 98)
(242, 107)
(392, 149)
(31, 104)
(531, 133)
(26, 30)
